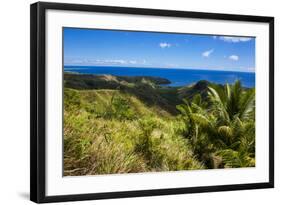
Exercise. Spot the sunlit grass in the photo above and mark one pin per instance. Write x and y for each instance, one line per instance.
(107, 131)
(149, 128)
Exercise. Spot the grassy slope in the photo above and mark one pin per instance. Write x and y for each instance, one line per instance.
(125, 124)
(111, 131)
(116, 124)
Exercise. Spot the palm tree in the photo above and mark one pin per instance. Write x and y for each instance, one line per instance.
(224, 127)
(234, 107)
(199, 128)
(233, 101)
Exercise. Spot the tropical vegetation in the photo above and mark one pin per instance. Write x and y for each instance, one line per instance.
(135, 124)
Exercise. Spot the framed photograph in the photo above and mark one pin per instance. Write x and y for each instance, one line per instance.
(129, 102)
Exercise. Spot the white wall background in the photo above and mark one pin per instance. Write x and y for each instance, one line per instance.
(14, 100)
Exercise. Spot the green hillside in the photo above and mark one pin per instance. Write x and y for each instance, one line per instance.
(116, 124)
(107, 131)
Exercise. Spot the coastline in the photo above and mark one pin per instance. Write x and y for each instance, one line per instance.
(177, 77)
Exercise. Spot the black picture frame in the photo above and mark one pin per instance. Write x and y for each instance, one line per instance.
(38, 101)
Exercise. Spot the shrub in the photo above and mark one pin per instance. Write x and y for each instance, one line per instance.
(119, 108)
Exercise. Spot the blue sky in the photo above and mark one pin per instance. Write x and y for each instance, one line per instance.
(91, 47)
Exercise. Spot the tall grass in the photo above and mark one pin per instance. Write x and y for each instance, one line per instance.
(109, 132)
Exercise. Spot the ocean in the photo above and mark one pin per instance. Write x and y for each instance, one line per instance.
(178, 77)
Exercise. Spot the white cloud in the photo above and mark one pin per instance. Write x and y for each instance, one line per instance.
(118, 61)
(171, 65)
(251, 69)
(207, 53)
(77, 61)
(165, 45)
(109, 61)
(105, 62)
(246, 69)
(234, 39)
(132, 62)
(234, 57)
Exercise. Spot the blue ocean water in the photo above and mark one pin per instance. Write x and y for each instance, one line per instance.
(178, 77)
